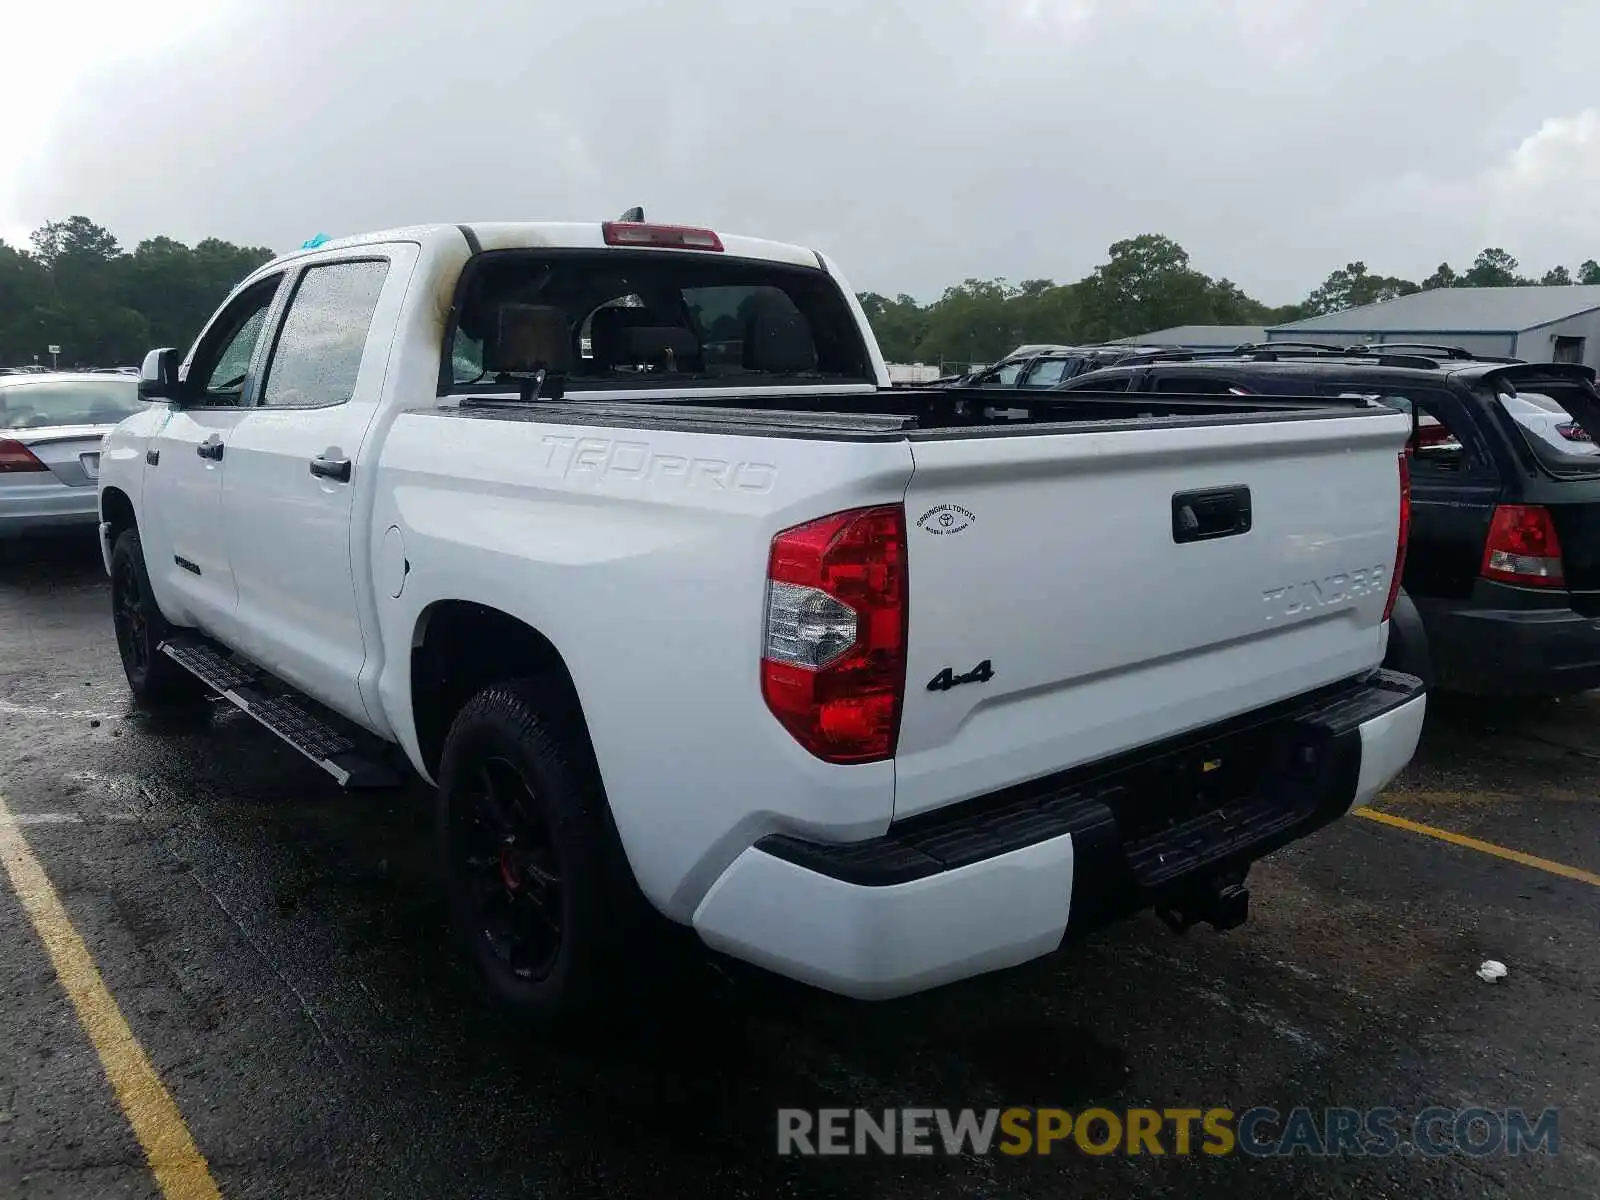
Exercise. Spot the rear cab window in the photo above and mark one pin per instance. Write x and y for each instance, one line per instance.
(661, 319)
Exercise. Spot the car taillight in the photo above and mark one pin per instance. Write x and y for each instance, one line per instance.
(636, 233)
(14, 456)
(1523, 547)
(1403, 538)
(1573, 432)
(833, 661)
(1435, 435)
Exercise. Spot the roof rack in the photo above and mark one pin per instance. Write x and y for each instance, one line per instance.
(1274, 347)
(1431, 347)
(1458, 353)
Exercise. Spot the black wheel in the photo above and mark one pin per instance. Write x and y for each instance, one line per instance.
(538, 893)
(156, 681)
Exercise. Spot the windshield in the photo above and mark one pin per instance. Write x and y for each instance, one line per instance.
(55, 402)
(653, 319)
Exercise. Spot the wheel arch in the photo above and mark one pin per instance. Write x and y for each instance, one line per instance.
(116, 510)
(460, 647)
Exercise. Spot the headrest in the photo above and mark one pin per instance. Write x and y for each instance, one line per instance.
(653, 343)
(527, 337)
(606, 328)
(778, 338)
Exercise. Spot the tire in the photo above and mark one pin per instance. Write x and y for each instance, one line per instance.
(540, 895)
(157, 683)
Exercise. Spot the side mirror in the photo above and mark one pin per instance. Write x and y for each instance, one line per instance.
(158, 376)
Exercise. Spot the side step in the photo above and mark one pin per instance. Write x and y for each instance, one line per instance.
(324, 738)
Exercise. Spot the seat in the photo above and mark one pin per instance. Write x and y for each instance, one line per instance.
(637, 337)
(778, 339)
(526, 338)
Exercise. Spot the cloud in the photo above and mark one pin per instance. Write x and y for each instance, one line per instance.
(918, 142)
(1544, 195)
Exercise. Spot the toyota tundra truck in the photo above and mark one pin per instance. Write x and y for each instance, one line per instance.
(617, 534)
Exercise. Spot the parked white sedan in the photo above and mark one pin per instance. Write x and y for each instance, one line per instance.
(51, 427)
(1546, 419)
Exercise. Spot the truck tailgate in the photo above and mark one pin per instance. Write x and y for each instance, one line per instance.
(1063, 608)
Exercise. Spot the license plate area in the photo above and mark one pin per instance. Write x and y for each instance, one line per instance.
(1200, 802)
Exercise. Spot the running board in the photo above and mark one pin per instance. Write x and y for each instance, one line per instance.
(298, 720)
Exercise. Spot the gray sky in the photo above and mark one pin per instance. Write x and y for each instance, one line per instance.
(917, 142)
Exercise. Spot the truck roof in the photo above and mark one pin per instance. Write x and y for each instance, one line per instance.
(564, 235)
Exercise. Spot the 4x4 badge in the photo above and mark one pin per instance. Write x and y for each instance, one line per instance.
(947, 678)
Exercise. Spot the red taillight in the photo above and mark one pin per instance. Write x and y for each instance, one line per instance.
(1435, 435)
(833, 660)
(681, 237)
(14, 456)
(1573, 432)
(1523, 547)
(1404, 537)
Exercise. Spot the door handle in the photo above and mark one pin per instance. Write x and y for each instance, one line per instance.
(211, 448)
(331, 468)
(152, 457)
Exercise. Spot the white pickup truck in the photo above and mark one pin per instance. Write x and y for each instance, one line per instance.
(618, 532)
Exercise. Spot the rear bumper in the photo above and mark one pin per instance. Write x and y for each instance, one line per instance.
(32, 508)
(996, 881)
(1512, 652)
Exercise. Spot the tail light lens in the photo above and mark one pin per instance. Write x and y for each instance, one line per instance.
(1403, 538)
(1573, 432)
(14, 456)
(833, 665)
(1523, 547)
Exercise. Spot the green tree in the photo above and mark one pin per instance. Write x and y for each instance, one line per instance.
(1442, 278)
(76, 237)
(1557, 277)
(78, 289)
(1146, 285)
(1589, 272)
(899, 324)
(1492, 268)
(1352, 286)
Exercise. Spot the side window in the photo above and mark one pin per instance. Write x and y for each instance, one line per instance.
(1046, 372)
(318, 353)
(1436, 447)
(222, 359)
(1004, 375)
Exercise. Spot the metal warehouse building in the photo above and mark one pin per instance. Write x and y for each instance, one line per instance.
(1199, 337)
(1539, 324)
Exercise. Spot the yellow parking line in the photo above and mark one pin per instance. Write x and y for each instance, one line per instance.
(1472, 843)
(179, 1167)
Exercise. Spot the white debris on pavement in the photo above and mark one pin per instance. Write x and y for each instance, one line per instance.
(1491, 970)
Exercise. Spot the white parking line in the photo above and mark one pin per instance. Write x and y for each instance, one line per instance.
(63, 818)
(10, 708)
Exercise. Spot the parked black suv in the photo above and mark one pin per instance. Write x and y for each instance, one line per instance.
(1503, 566)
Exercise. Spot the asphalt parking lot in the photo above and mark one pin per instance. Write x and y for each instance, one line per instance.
(280, 958)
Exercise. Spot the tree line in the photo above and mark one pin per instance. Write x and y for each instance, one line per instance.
(1147, 284)
(77, 288)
